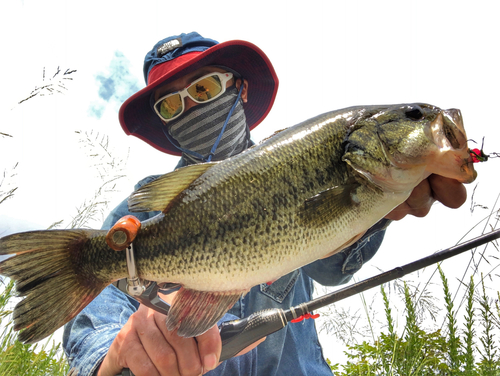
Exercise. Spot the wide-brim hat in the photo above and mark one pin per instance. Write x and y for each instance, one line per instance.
(174, 57)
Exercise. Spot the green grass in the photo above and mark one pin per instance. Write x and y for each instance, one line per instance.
(418, 351)
(18, 359)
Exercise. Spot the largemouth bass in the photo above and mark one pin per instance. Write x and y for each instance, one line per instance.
(306, 192)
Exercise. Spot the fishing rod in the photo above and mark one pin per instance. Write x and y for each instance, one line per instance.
(238, 334)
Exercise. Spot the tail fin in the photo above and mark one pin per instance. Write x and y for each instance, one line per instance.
(53, 273)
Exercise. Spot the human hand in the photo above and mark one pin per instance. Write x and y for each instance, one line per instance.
(146, 347)
(449, 192)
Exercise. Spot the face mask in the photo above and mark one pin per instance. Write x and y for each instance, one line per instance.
(197, 130)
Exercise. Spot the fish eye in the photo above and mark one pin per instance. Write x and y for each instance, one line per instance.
(414, 113)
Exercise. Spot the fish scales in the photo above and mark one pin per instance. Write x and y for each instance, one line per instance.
(306, 192)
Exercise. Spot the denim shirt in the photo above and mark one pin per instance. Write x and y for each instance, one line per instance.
(294, 350)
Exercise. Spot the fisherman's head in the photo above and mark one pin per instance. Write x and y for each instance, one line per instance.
(217, 78)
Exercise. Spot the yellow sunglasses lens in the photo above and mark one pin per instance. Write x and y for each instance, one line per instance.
(205, 89)
(171, 106)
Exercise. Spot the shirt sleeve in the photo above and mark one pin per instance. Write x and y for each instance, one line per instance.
(87, 338)
(339, 268)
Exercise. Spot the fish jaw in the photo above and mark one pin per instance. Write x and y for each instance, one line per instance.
(452, 158)
(400, 146)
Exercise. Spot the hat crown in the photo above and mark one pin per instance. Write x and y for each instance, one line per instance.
(174, 46)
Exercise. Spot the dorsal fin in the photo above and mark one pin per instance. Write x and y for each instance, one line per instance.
(156, 196)
(271, 136)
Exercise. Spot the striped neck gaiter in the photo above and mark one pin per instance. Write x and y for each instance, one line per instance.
(198, 128)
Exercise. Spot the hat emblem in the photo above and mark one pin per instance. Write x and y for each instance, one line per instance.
(168, 46)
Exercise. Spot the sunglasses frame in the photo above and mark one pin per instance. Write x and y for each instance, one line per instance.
(224, 77)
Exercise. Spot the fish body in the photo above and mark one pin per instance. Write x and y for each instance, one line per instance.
(306, 192)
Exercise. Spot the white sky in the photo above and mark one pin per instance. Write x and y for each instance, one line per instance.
(327, 54)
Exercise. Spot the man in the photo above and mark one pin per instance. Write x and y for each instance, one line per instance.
(201, 101)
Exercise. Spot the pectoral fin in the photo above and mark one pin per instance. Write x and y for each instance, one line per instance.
(156, 196)
(194, 312)
(329, 204)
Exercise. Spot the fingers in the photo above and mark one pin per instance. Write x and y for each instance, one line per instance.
(142, 362)
(449, 192)
(210, 347)
(146, 347)
(418, 204)
(160, 353)
(127, 350)
(184, 350)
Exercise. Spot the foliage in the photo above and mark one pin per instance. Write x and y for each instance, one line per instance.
(51, 85)
(108, 169)
(6, 188)
(48, 358)
(430, 352)
(20, 359)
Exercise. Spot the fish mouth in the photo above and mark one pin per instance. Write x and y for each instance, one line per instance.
(453, 159)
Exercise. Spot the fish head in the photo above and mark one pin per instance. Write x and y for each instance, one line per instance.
(396, 147)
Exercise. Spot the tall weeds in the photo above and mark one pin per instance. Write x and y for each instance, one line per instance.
(469, 332)
(453, 339)
(31, 360)
(432, 352)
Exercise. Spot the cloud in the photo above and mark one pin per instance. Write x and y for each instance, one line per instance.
(96, 109)
(115, 85)
(107, 89)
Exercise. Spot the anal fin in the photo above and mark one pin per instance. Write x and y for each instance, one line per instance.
(194, 312)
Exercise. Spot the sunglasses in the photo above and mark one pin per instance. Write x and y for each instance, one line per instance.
(203, 90)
